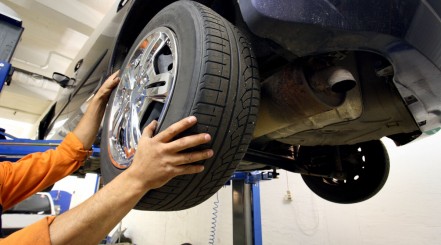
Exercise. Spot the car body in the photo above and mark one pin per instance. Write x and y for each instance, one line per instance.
(333, 74)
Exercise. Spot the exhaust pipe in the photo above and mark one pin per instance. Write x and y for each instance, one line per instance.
(338, 79)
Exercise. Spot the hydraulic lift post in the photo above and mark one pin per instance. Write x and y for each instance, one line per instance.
(247, 227)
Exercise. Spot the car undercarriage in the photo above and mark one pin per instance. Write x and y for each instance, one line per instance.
(310, 87)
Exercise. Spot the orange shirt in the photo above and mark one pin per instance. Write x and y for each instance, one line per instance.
(33, 173)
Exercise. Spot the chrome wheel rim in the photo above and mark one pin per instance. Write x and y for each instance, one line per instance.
(147, 83)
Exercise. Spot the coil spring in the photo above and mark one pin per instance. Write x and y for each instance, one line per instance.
(214, 220)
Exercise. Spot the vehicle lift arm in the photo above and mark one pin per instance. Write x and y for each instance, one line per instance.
(14, 148)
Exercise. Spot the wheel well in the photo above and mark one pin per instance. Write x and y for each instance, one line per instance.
(143, 11)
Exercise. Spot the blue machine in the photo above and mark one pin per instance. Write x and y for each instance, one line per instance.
(5, 74)
(12, 148)
(247, 227)
(10, 33)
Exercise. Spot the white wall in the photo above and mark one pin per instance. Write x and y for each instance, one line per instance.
(17, 129)
(406, 211)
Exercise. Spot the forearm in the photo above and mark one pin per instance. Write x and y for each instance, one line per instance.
(88, 127)
(92, 220)
(89, 124)
(158, 159)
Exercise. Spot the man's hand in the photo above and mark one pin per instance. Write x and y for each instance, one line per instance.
(160, 158)
(108, 86)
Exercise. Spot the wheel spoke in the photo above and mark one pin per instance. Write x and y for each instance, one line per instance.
(132, 133)
(120, 114)
(160, 87)
(119, 127)
(132, 73)
(116, 126)
(125, 80)
(159, 43)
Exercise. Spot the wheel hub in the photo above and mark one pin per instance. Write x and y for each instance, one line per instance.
(147, 82)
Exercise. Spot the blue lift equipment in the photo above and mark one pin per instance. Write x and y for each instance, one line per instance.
(10, 33)
(12, 148)
(247, 226)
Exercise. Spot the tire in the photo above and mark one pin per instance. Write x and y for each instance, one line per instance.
(366, 166)
(214, 77)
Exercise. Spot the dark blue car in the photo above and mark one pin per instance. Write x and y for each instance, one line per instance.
(306, 86)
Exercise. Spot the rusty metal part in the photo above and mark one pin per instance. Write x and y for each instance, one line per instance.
(288, 96)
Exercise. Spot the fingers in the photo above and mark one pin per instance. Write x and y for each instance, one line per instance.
(191, 169)
(114, 75)
(150, 129)
(112, 80)
(188, 142)
(161, 157)
(107, 87)
(191, 157)
(176, 128)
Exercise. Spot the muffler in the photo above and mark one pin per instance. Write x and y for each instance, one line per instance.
(289, 95)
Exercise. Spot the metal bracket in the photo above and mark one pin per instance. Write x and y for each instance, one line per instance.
(252, 177)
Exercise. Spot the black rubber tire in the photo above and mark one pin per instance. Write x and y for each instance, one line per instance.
(217, 81)
(372, 174)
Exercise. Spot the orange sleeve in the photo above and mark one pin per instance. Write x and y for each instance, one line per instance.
(37, 233)
(37, 171)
